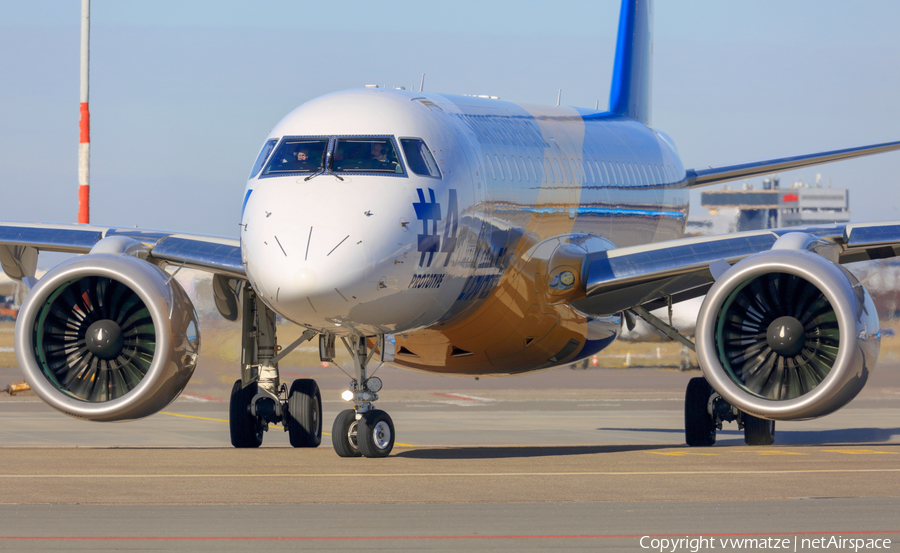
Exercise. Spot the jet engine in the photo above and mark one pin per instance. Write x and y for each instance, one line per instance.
(787, 335)
(107, 338)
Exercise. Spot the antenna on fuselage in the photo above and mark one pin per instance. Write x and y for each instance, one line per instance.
(558, 97)
(597, 106)
(422, 85)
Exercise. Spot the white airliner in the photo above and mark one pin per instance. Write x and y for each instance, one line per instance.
(457, 235)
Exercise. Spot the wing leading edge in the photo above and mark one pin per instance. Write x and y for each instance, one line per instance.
(714, 175)
(619, 279)
(21, 241)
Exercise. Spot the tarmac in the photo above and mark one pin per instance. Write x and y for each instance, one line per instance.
(561, 460)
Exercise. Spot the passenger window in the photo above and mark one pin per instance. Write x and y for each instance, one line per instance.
(366, 155)
(499, 167)
(508, 168)
(487, 162)
(297, 155)
(524, 169)
(589, 171)
(263, 156)
(579, 177)
(535, 174)
(559, 170)
(548, 170)
(419, 158)
(515, 164)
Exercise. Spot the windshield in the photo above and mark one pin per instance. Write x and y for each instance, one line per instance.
(263, 156)
(366, 155)
(298, 155)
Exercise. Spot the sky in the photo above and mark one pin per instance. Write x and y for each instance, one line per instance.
(183, 93)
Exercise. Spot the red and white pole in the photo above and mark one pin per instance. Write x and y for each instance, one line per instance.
(84, 146)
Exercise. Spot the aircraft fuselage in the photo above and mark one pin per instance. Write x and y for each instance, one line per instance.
(457, 263)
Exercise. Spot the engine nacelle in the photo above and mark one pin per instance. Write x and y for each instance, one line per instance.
(787, 335)
(107, 338)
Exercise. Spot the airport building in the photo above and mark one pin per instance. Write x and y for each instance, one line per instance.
(747, 208)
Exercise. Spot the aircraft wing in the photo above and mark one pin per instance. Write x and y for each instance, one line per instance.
(20, 243)
(618, 279)
(715, 175)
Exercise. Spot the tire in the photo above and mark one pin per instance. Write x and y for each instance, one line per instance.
(344, 434)
(245, 429)
(699, 426)
(376, 434)
(758, 431)
(304, 413)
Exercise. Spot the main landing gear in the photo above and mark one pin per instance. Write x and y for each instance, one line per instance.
(258, 398)
(363, 430)
(705, 411)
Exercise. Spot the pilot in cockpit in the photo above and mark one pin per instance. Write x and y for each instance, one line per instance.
(302, 154)
(301, 159)
(379, 153)
(379, 158)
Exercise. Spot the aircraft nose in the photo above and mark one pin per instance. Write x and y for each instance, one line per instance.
(313, 273)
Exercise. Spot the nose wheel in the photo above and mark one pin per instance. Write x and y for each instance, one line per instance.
(372, 435)
(344, 434)
(375, 434)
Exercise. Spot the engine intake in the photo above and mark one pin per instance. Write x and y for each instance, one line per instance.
(107, 338)
(787, 335)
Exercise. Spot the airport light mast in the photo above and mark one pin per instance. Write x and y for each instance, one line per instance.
(84, 146)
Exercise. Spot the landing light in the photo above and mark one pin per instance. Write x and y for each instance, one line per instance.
(347, 395)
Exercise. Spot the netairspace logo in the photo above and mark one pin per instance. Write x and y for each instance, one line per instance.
(795, 543)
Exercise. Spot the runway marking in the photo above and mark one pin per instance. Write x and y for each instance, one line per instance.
(472, 537)
(225, 420)
(456, 474)
(860, 452)
(679, 453)
(462, 396)
(191, 416)
(195, 397)
(774, 452)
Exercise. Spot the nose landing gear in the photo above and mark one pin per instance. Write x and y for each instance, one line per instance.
(362, 430)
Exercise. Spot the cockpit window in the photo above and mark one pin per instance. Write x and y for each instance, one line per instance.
(263, 156)
(298, 155)
(419, 158)
(366, 155)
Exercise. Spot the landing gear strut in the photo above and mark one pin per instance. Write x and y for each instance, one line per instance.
(362, 430)
(259, 398)
(705, 411)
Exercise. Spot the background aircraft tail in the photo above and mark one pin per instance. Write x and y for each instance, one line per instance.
(632, 73)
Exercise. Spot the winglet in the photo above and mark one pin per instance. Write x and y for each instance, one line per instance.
(632, 73)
